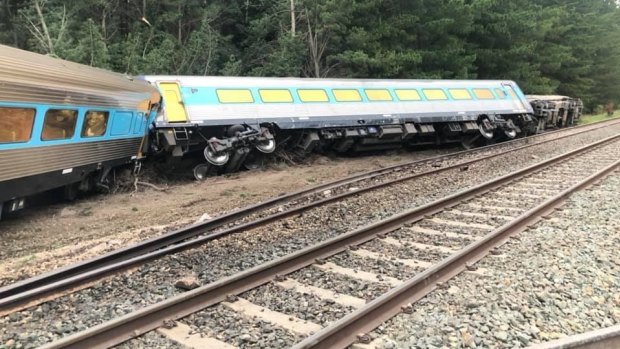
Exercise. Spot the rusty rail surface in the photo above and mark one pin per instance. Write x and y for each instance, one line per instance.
(606, 338)
(26, 292)
(343, 332)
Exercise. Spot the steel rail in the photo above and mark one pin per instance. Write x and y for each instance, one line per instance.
(345, 331)
(185, 233)
(153, 316)
(605, 338)
(28, 291)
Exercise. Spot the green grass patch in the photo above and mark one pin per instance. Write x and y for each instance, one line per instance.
(589, 119)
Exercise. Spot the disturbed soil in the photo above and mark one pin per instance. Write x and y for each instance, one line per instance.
(52, 235)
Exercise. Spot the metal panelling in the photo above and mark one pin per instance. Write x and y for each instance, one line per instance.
(204, 107)
(32, 161)
(31, 77)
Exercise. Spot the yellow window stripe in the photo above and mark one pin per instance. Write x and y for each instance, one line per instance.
(408, 95)
(275, 96)
(483, 93)
(459, 94)
(378, 95)
(500, 93)
(347, 95)
(312, 95)
(435, 94)
(235, 96)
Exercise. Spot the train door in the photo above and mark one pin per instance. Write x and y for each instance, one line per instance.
(173, 102)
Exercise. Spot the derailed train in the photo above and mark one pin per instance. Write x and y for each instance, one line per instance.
(66, 125)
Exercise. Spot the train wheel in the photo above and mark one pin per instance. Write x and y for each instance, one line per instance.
(254, 161)
(469, 142)
(510, 133)
(267, 146)
(217, 159)
(201, 171)
(484, 126)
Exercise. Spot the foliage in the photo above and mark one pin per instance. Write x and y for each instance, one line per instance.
(567, 47)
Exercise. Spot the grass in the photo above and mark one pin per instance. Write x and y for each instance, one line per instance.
(589, 119)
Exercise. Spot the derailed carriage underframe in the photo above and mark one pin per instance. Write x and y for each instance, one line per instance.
(229, 145)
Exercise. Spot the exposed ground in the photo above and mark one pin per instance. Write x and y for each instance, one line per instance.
(45, 237)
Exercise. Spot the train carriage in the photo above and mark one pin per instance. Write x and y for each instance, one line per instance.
(225, 117)
(554, 111)
(64, 124)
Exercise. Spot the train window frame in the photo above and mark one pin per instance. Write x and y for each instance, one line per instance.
(429, 98)
(45, 123)
(490, 97)
(301, 90)
(499, 90)
(222, 100)
(275, 100)
(85, 120)
(335, 92)
(375, 98)
(512, 94)
(398, 92)
(460, 94)
(30, 130)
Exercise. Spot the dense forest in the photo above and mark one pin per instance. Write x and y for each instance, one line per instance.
(568, 47)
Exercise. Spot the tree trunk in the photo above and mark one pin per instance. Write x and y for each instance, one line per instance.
(293, 18)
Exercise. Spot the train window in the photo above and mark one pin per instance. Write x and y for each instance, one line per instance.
(347, 95)
(512, 94)
(95, 123)
(408, 95)
(378, 95)
(16, 124)
(483, 93)
(234, 96)
(275, 96)
(500, 93)
(312, 95)
(59, 124)
(435, 94)
(460, 94)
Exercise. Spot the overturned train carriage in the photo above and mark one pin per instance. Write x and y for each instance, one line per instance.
(226, 119)
(65, 125)
(553, 111)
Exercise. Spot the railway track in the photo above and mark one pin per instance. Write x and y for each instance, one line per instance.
(398, 260)
(27, 292)
(606, 338)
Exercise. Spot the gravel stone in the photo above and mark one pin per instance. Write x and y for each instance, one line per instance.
(155, 281)
(223, 324)
(340, 283)
(302, 306)
(560, 278)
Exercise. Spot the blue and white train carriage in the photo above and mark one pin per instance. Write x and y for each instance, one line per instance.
(65, 125)
(225, 117)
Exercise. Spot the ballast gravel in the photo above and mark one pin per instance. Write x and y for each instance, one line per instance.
(559, 278)
(155, 281)
(302, 306)
(225, 325)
